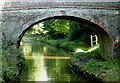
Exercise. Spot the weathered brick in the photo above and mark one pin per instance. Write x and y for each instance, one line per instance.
(103, 17)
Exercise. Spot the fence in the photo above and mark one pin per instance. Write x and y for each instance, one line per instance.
(94, 40)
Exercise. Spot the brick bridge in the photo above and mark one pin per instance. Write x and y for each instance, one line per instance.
(101, 17)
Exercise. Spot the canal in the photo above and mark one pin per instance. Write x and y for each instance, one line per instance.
(46, 63)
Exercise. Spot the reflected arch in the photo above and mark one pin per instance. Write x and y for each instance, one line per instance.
(105, 41)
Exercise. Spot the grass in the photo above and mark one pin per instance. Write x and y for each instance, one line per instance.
(92, 52)
(64, 43)
(107, 70)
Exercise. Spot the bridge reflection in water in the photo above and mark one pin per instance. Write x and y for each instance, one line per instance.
(46, 63)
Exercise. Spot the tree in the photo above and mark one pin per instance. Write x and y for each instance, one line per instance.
(61, 28)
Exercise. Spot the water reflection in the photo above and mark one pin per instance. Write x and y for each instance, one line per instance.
(46, 57)
(45, 63)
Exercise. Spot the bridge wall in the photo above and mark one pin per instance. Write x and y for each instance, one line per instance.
(16, 20)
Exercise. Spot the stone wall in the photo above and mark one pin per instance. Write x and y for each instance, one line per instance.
(17, 17)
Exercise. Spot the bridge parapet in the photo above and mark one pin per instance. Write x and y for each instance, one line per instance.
(43, 5)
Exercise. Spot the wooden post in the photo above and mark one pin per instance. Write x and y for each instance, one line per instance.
(91, 40)
(96, 39)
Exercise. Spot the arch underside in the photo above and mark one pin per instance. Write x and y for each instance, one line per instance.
(105, 42)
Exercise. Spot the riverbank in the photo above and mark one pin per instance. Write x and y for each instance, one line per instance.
(87, 59)
(104, 70)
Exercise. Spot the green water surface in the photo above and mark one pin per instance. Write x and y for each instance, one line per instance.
(44, 63)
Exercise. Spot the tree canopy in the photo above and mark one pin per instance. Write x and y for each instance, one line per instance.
(61, 28)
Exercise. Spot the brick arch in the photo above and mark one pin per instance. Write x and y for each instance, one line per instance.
(105, 41)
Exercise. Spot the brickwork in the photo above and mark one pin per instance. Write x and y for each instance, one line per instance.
(17, 17)
(117, 49)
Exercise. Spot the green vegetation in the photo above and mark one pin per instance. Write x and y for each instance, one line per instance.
(67, 34)
(12, 59)
(62, 29)
(92, 52)
(75, 37)
(105, 70)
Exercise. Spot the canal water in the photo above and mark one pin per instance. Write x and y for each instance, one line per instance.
(46, 63)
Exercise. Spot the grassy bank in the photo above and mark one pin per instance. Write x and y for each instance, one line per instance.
(64, 43)
(105, 70)
(88, 58)
(75, 48)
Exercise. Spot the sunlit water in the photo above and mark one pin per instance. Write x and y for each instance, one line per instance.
(46, 63)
